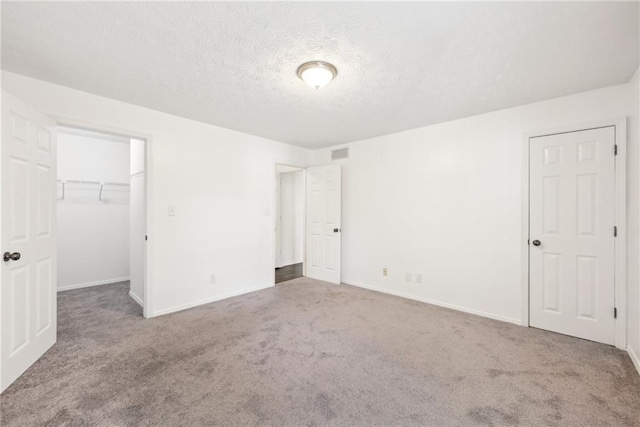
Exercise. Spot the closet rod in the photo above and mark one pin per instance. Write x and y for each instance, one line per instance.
(100, 183)
(74, 181)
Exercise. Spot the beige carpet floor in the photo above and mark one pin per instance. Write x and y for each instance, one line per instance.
(310, 353)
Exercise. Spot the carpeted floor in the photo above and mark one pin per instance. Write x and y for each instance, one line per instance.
(310, 353)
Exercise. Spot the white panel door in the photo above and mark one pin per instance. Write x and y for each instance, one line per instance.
(572, 233)
(28, 238)
(324, 187)
(278, 217)
(138, 222)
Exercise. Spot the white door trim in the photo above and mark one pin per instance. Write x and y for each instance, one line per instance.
(147, 308)
(620, 286)
(304, 215)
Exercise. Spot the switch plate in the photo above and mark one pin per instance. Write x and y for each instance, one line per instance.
(212, 278)
(418, 278)
(384, 271)
(171, 210)
(408, 277)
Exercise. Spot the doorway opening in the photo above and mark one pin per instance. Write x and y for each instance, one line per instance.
(289, 223)
(101, 212)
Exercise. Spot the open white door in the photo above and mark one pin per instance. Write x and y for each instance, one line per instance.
(324, 185)
(28, 238)
(572, 233)
(138, 222)
(278, 217)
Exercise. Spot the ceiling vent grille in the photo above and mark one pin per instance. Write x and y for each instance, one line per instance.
(340, 154)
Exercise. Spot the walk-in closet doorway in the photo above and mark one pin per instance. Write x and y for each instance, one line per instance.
(101, 224)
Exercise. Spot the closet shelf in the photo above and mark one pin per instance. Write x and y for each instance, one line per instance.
(102, 184)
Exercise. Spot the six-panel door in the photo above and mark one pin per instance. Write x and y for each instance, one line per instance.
(572, 233)
(324, 223)
(28, 291)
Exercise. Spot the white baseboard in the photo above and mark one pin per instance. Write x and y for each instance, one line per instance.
(209, 300)
(89, 284)
(433, 302)
(634, 358)
(136, 298)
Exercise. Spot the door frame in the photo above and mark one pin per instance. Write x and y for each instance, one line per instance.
(276, 196)
(620, 214)
(147, 307)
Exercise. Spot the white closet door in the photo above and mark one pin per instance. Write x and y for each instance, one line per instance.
(138, 221)
(28, 237)
(572, 233)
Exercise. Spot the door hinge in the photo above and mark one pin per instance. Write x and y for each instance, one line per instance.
(615, 313)
(615, 231)
(145, 237)
(615, 150)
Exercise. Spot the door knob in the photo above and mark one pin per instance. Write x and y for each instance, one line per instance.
(536, 243)
(8, 256)
(335, 230)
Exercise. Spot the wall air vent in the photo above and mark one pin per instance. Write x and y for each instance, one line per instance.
(342, 153)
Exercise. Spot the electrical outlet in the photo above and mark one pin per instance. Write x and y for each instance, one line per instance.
(212, 278)
(418, 278)
(408, 277)
(384, 271)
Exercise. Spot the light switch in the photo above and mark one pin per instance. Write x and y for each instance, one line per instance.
(171, 211)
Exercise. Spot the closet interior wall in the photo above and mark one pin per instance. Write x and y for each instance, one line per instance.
(93, 219)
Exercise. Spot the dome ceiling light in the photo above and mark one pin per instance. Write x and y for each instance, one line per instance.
(317, 73)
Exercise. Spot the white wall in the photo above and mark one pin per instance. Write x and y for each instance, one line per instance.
(93, 235)
(220, 182)
(633, 221)
(138, 223)
(445, 201)
(292, 203)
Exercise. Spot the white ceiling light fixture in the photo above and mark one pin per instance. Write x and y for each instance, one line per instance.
(317, 73)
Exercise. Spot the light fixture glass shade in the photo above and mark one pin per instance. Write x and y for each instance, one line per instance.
(317, 73)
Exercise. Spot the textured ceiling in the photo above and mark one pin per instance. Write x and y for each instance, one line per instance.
(400, 65)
